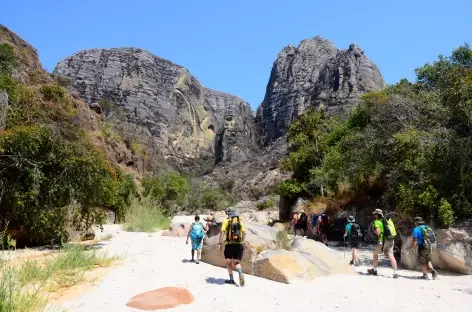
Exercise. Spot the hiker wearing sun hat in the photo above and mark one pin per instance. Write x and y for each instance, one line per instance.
(354, 234)
(424, 238)
(384, 244)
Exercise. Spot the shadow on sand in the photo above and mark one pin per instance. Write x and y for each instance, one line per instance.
(215, 281)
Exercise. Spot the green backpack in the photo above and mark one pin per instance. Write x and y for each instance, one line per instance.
(389, 228)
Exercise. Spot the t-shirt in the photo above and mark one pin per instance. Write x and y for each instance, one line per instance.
(379, 224)
(418, 235)
(348, 229)
(224, 227)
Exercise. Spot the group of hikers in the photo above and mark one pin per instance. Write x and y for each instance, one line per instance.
(232, 236)
(384, 229)
(320, 225)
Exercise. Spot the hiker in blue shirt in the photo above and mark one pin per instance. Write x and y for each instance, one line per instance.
(424, 253)
(353, 233)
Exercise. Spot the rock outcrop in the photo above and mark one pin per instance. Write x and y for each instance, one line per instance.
(314, 74)
(177, 230)
(189, 124)
(3, 109)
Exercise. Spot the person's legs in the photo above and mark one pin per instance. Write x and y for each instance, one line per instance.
(375, 259)
(356, 256)
(237, 262)
(229, 263)
(388, 251)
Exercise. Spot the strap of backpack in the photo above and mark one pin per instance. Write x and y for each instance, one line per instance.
(228, 229)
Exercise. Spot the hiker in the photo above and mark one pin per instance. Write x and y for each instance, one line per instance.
(302, 223)
(234, 232)
(294, 220)
(196, 234)
(314, 220)
(354, 235)
(424, 238)
(209, 221)
(384, 229)
(323, 227)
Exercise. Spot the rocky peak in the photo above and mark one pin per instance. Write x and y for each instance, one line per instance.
(313, 74)
(190, 124)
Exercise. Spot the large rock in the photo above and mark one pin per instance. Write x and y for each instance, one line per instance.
(191, 125)
(177, 230)
(453, 253)
(258, 238)
(3, 109)
(307, 260)
(314, 74)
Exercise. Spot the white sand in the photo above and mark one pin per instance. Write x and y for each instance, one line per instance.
(152, 262)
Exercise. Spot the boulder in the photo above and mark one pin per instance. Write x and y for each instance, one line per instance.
(177, 230)
(258, 238)
(453, 252)
(284, 266)
(307, 260)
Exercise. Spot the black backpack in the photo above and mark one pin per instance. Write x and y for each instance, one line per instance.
(324, 219)
(233, 234)
(356, 232)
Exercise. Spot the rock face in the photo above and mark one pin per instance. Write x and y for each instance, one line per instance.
(189, 123)
(453, 253)
(3, 109)
(314, 74)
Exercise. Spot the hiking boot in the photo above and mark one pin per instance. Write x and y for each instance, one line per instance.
(241, 280)
(424, 277)
(434, 274)
(231, 282)
(352, 262)
(197, 262)
(192, 260)
(357, 264)
(372, 271)
(395, 275)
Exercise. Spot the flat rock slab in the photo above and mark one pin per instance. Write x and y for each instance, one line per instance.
(163, 298)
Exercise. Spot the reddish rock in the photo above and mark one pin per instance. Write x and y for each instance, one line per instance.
(163, 298)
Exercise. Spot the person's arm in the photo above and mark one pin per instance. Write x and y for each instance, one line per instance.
(377, 230)
(222, 235)
(414, 243)
(188, 234)
(243, 230)
(345, 232)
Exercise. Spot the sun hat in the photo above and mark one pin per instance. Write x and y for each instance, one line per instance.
(379, 212)
(351, 219)
(419, 220)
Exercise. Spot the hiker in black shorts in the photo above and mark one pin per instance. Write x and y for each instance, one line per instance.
(234, 232)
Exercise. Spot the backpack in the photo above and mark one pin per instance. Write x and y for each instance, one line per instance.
(389, 228)
(233, 234)
(356, 233)
(197, 231)
(429, 238)
(324, 219)
(303, 218)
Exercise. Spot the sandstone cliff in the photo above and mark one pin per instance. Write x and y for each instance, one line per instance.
(316, 73)
(189, 124)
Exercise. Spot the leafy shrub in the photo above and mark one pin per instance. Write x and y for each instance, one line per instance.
(145, 216)
(52, 92)
(289, 188)
(446, 213)
(227, 185)
(268, 203)
(7, 59)
(282, 240)
(256, 192)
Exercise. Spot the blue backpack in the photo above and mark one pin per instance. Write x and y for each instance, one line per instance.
(197, 231)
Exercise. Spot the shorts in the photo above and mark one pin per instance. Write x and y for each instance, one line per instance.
(234, 251)
(387, 247)
(424, 254)
(354, 243)
(196, 244)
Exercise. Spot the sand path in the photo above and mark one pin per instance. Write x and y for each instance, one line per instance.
(153, 261)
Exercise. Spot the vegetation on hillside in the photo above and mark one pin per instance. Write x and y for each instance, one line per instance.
(413, 141)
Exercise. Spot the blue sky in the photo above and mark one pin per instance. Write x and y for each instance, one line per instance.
(230, 45)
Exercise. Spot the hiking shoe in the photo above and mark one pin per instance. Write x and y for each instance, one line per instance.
(424, 277)
(352, 262)
(434, 274)
(395, 276)
(192, 260)
(230, 282)
(357, 265)
(372, 271)
(241, 280)
(197, 262)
